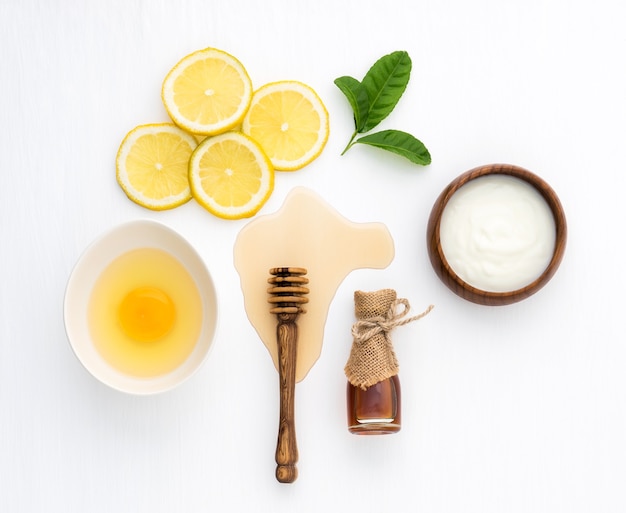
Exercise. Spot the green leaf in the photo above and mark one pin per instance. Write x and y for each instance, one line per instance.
(357, 96)
(374, 98)
(385, 82)
(400, 143)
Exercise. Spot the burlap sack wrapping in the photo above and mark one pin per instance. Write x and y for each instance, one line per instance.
(372, 358)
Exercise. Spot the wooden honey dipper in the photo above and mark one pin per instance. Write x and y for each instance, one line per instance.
(287, 295)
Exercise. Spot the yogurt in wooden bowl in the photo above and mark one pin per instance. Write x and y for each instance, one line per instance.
(496, 234)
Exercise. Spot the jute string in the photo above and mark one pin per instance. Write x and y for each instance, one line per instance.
(372, 358)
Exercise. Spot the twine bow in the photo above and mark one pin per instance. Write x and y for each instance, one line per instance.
(365, 329)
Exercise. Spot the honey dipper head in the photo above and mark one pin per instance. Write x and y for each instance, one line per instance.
(287, 291)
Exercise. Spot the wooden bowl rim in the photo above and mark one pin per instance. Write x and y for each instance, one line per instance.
(445, 271)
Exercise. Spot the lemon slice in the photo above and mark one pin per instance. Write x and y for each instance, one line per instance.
(289, 121)
(152, 165)
(230, 175)
(207, 92)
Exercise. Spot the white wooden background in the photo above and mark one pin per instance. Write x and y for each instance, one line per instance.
(513, 409)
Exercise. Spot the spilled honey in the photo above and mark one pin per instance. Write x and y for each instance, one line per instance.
(145, 313)
(306, 232)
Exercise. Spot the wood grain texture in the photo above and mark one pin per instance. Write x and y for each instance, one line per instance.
(447, 274)
(287, 295)
(287, 447)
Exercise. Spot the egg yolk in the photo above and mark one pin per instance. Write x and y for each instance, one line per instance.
(146, 314)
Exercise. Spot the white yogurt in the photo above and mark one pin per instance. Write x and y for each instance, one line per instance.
(497, 233)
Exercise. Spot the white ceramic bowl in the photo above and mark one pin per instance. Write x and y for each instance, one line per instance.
(110, 245)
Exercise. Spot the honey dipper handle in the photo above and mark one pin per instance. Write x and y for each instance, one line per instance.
(287, 449)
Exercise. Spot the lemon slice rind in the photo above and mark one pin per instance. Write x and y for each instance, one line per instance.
(174, 188)
(210, 177)
(236, 113)
(268, 122)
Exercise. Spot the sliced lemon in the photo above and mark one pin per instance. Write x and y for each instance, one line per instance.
(289, 121)
(230, 175)
(207, 92)
(152, 165)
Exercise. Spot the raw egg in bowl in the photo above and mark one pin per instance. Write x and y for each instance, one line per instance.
(140, 308)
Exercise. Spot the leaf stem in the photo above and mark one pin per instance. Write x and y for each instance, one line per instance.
(350, 142)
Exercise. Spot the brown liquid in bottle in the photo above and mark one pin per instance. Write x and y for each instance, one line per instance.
(376, 410)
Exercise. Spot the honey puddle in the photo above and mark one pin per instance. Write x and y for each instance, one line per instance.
(306, 232)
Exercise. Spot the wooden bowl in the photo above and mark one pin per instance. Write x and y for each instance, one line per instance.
(445, 271)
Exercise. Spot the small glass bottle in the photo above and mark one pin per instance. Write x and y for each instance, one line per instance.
(376, 410)
(373, 389)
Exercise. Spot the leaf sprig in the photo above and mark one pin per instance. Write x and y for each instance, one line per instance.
(374, 98)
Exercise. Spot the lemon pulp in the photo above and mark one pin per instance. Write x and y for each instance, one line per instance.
(230, 175)
(207, 92)
(289, 121)
(151, 165)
